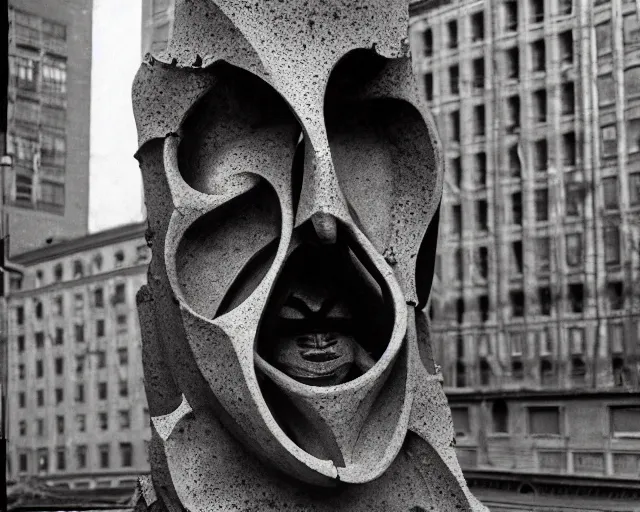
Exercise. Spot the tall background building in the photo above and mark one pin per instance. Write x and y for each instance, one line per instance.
(157, 24)
(77, 408)
(535, 308)
(46, 191)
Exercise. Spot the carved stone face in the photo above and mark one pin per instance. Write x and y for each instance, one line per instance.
(291, 190)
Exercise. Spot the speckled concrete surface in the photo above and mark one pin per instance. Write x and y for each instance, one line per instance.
(265, 129)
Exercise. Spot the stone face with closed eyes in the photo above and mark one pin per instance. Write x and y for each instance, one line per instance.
(292, 179)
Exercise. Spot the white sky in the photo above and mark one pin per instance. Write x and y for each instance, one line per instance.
(115, 185)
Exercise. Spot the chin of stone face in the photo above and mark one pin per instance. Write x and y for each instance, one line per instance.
(293, 178)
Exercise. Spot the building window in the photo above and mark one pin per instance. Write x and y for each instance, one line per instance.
(569, 149)
(119, 259)
(540, 106)
(536, 11)
(454, 80)
(576, 297)
(574, 194)
(59, 336)
(60, 424)
(513, 161)
(53, 30)
(126, 455)
(609, 141)
(455, 164)
(456, 219)
(512, 120)
(485, 372)
(565, 6)
(517, 264)
(565, 40)
(39, 337)
(458, 264)
(542, 204)
(615, 291)
(625, 421)
(102, 390)
(576, 341)
(478, 73)
(59, 395)
(54, 77)
(615, 332)
(481, 169)
(40, 427)
(15, 283)
(477, 26)
(80, 393)
(81, 422)
(454, 126)
(103, 455)
(123, 388)
(544, 421)
(119, 295)
(98, 298)
(122, 323)
(516, 298)
(538, 55)
(633, 135)
(479, 120)
(428, 86)
(634, 189)
(80, 363)
(103, 421)
(58, 272)
(24, 71)
(43, 460)
(460, 319)
(540, 155)
(500, 417)
(543, 254)
(516, 208)
(632, 81)
(612, 245)
(125, 419)
(38, 309)
(460, 417)
(123, 356)
(102, 359)
(631, 29)
(482, 262)
(481, 215)
(606, 90)
(81, 456)
(452, 34)
(40, 398)
(22, 400)
(510, 10)
(22, 371)
(23, 463)
(567, 98)
(79, 332)
(20, 316)
(512, 63)
(544, 299)
(59, 365)
(100, 330)
(39, 369)
(427, 40)
(603, 38)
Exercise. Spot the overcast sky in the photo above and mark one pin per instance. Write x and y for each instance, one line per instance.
(115, 192)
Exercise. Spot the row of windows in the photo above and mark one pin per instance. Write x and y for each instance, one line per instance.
(510, 66)
(98, 302)
(101, 362)
(101, 389)
(102, 421)
(78, 269)
(519, 302)
(81, 455)
(509, 17)
(546, 420)
(47, 75)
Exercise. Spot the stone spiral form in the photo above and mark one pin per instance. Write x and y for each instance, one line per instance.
(293, 178)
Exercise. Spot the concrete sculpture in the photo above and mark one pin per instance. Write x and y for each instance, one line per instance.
(292, 179)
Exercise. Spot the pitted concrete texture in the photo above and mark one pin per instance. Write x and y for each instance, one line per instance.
(272, 134)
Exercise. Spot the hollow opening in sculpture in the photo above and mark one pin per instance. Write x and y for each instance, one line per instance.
(329, 318)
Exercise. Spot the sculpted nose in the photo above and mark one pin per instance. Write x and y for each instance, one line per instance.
(321, 199)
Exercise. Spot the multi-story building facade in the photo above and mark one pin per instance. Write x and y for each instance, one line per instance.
(77, 409)
(46, 192)
(157, 24)
(535, 308)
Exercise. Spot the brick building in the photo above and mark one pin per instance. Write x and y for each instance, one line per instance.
(535, 308)
(46, 191)
(77, 409)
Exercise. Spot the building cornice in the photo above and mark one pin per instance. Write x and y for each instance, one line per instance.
(84, 243)
(469, 395)
(424, 6)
